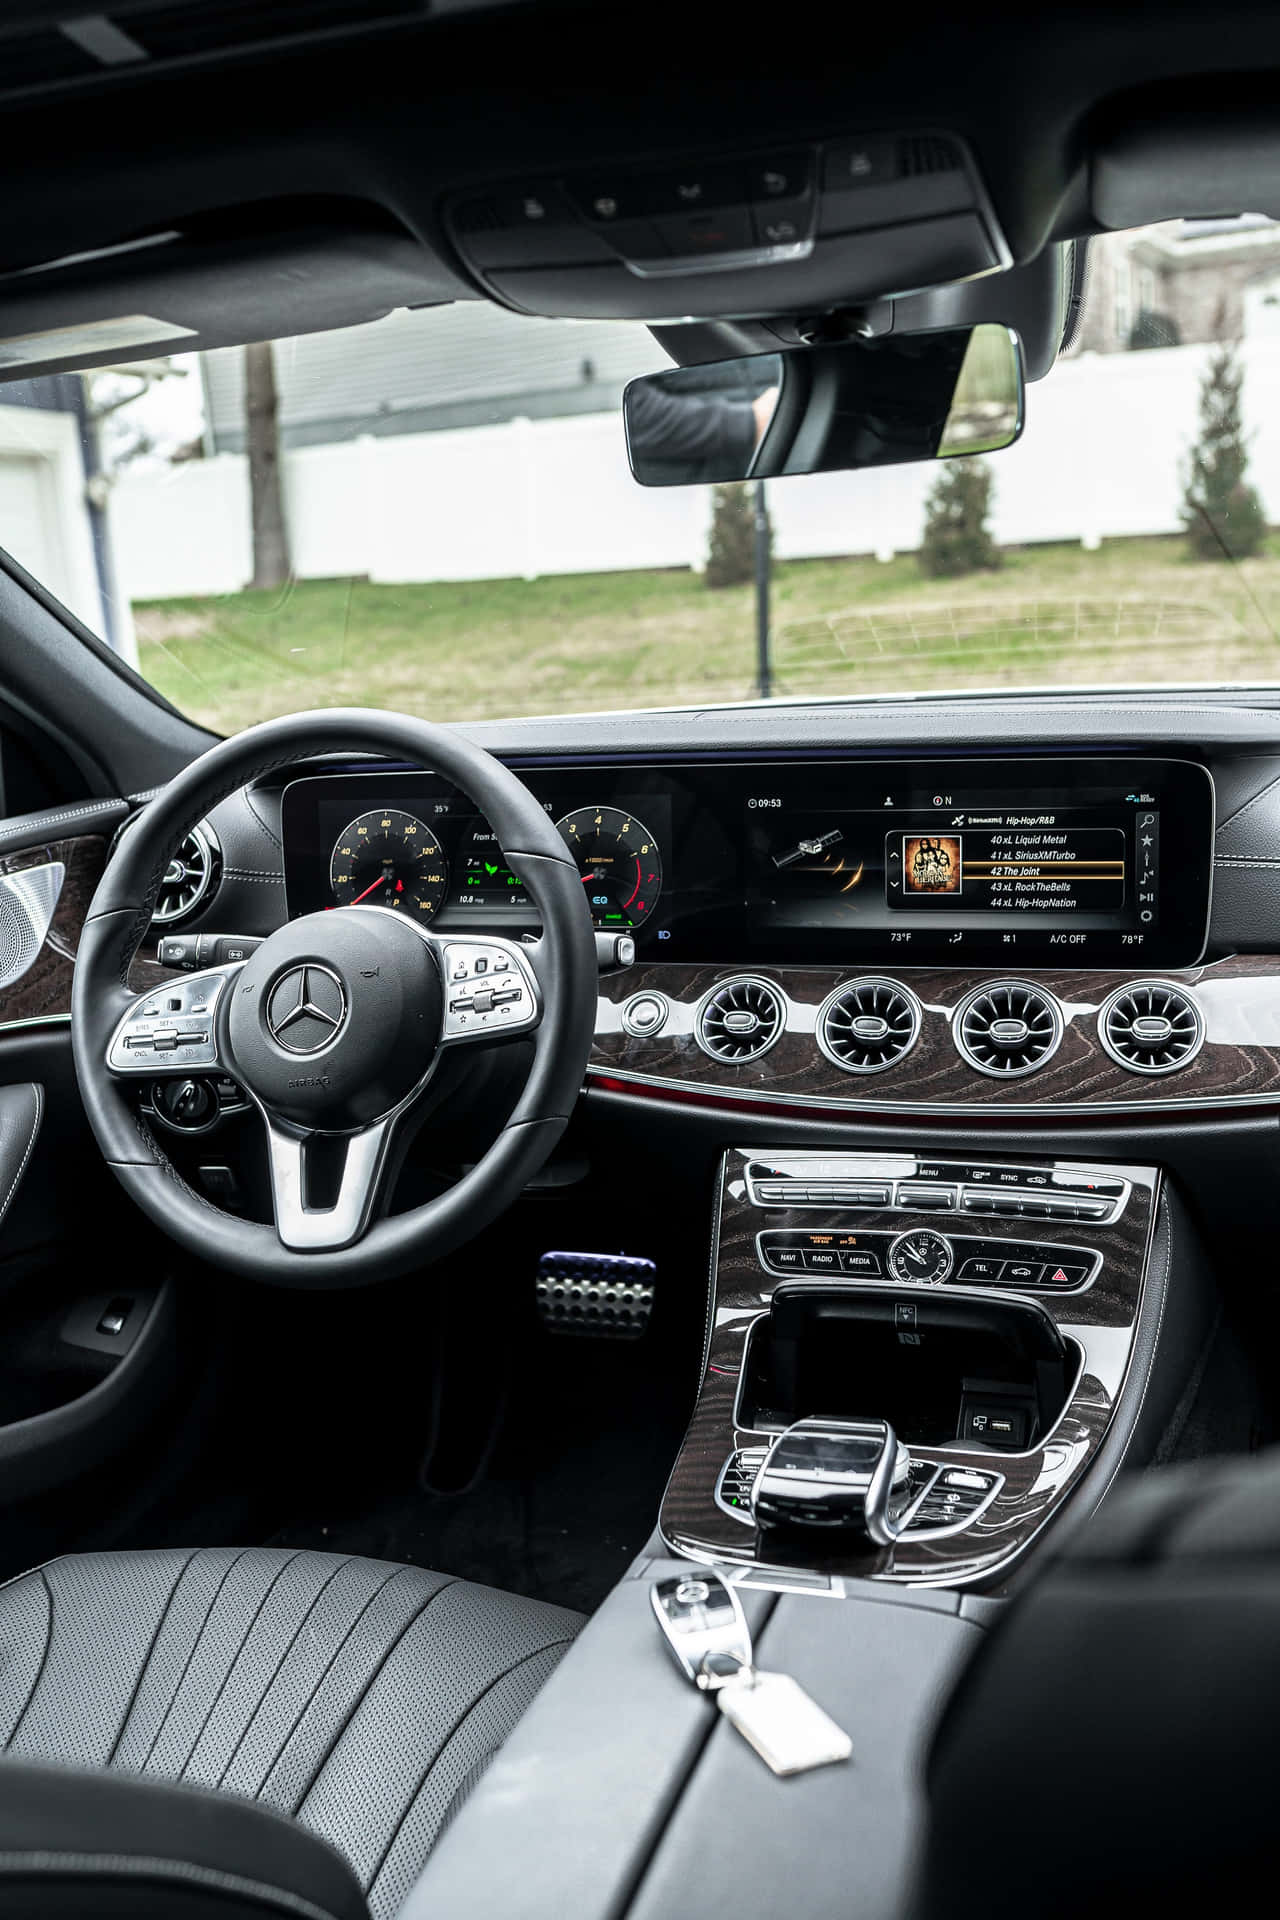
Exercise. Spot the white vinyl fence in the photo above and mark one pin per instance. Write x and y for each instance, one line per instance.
(1101, 456)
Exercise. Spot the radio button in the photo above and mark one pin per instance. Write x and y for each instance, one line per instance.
(820, 1260)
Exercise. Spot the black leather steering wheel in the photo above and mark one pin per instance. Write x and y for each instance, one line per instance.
(335, 1026)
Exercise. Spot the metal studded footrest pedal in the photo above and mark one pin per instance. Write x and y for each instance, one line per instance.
(608, 1295)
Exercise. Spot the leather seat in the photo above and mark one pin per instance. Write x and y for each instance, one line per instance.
(359, 1699)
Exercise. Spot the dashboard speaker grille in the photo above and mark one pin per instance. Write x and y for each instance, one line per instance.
(1152, 1026)
(740, 1019)
(1008, 1029)
(869, 1025)
(189, 877)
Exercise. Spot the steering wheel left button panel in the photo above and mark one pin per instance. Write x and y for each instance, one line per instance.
(172, 1027)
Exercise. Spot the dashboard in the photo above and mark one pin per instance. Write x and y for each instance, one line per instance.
(1097, 861)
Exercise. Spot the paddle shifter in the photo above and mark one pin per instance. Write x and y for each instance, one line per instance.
(845, 1480)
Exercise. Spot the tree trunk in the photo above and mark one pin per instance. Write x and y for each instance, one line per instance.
(270, 536)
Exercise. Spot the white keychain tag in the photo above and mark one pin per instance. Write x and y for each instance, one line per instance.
(775, 1715)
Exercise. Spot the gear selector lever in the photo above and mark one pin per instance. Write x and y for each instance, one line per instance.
(847, 1480)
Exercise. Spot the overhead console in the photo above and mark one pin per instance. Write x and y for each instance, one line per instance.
(742, 233)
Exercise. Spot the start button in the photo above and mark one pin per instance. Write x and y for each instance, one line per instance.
(645, 1014)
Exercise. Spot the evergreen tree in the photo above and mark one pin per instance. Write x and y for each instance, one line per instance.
(956, 536)
(731, 548)
(1220, 511)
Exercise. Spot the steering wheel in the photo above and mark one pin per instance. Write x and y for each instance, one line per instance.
(337, 1024)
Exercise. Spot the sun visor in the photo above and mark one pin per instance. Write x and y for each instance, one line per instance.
(182, 292)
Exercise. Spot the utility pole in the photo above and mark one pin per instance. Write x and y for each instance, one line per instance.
(764, 560)
(262, 435)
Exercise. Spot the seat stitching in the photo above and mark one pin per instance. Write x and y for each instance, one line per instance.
(359, 1701)
(146, 1663)
(42, 1859)
(232, 1663)
(458, 1724)
(303, 1710)
(186, 1665)
(276, 1671)
(44, 1660)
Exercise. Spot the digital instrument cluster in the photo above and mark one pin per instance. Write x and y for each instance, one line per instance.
(1087, 860)
(421, 849)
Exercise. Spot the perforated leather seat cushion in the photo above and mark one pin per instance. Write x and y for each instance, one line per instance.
(361, 1698)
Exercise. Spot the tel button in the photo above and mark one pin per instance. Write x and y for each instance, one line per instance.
(981, 1270)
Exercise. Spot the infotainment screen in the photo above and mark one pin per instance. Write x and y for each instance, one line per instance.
(1082, 861)
(952, 861)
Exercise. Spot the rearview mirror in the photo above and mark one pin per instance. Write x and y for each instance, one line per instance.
(873, 403)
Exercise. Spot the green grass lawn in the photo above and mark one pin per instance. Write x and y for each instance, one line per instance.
(1135, 611)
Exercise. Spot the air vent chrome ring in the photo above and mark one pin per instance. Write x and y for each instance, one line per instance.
(1151, 1026)
(740, 1019)
(1007, 1028)
(190, 876)
(868, 1025)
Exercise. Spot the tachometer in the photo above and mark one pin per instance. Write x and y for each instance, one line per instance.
(620, 864)
(387, 858)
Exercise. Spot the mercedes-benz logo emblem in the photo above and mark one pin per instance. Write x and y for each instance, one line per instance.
(305, 1009)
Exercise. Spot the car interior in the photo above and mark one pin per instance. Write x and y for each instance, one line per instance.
(614, 1312)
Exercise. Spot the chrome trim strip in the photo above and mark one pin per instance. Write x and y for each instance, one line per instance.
(857, 1107)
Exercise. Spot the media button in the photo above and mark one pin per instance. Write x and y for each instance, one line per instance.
(859, 1261)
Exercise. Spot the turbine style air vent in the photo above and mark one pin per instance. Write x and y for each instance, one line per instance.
(869, 1025)
(1151, 1026)
(740, 1019)
(189, 878)
(1007, 1029)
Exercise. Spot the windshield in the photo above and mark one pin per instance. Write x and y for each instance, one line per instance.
(434, 513)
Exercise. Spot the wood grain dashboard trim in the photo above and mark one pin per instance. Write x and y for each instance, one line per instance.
(42, 995)
(1238, 1065)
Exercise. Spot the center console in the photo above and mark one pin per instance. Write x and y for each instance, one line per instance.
(987, 1314)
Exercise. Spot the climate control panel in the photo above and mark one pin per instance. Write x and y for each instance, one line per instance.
(912, 1185)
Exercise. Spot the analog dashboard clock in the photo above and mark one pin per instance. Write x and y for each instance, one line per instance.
(388, 858)
(921, 1258)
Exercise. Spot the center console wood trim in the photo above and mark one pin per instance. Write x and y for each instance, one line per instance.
(1102, 1320)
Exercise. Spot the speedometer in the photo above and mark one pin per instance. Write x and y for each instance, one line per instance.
(620, 863)
(387, 858)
